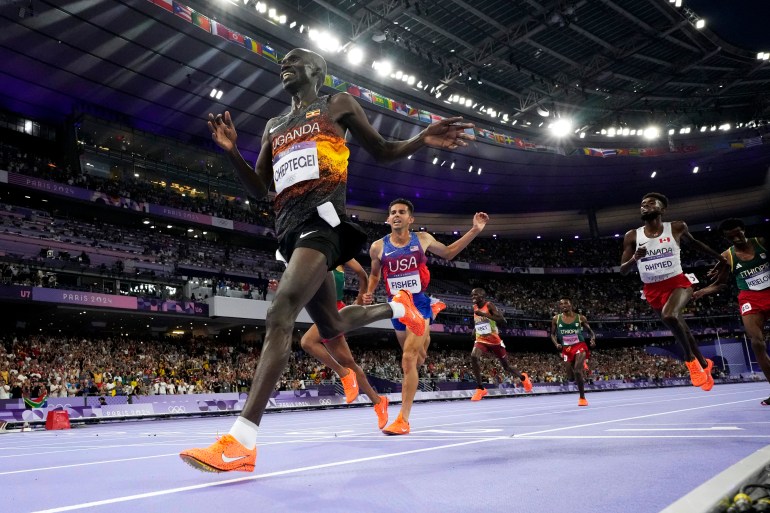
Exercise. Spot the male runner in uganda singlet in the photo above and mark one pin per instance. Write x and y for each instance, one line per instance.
(653, 249)
(304, 157)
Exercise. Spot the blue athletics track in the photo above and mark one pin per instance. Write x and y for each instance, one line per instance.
(630, 451)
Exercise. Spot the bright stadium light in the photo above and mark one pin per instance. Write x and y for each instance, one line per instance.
(561, 127)
(355, 55)
(651, 133)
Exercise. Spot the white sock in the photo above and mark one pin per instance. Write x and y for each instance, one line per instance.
(245, 432)
(399, 310)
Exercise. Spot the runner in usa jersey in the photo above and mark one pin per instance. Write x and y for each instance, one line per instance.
(749, 262)
(404, 267)
(304, 157)
(399, 258)
(653, 250)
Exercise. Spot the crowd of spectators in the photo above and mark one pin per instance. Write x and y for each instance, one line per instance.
(75, 366)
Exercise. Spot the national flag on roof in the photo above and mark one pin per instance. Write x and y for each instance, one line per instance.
(366, 94)
(220, 30)
(165, 4)
(183, 12)
(236, 37)
(270, 52)
(754, 141)
(201, 21)
(252, 45)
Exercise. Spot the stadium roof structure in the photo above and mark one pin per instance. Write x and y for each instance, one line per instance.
(603, 64)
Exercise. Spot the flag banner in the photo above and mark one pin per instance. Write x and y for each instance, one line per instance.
(235, 37)
(366, 94)
(201, 21)
(252, 45)
(40, 402)
(165, 4)
(270, 53)
(183, 12)
(220, 30)
(379, 100)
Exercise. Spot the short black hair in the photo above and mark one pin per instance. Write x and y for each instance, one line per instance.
(730, 224)
(402, 201)
(658, 196)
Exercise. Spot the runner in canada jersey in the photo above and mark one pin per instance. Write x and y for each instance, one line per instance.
(653, 249)
(399, 258)
(304, 157)
(749, 263)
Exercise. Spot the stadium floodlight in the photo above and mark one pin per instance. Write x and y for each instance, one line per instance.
(700, 24)
(561, 127)
(383, 68)
(651, 133)
(355, 55)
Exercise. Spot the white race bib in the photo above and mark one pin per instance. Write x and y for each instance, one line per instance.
(298, 163)
(657, 268)
(760, 281)
(484, 328)
(410, 282)
(570, 340)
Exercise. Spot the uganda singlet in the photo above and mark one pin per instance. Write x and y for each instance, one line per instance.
(569, 334)
(662, 259)
(753, 274)
(485, 328)
(310, 165)
(404, 268)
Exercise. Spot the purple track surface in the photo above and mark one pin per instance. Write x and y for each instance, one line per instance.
(629, 451)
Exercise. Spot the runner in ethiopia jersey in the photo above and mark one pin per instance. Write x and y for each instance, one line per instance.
(305, 158)
(400, 259)
(748, 261)
(488, 341)
(654, 250)
(567, 336)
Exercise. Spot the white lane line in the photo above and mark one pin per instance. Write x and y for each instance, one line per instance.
(169, 491)
(260, 476)
(610, 437)
(590, 424)
(712, 428)
(84, 464)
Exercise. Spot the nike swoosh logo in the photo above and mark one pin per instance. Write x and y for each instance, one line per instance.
(388, 254)
(305, 234)
(273, 129)
(227, 459)
(642, 243)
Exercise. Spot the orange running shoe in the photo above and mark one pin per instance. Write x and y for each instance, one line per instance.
(225, 455)
(526, 382)
(697, 376)
(399, 427)
(413, 318)
(381, 409)
(436, 306)
(582, 401)
(480, 392)
(350, 386)
(709, 384)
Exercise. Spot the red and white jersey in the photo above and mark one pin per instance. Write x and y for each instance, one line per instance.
(662, 260)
